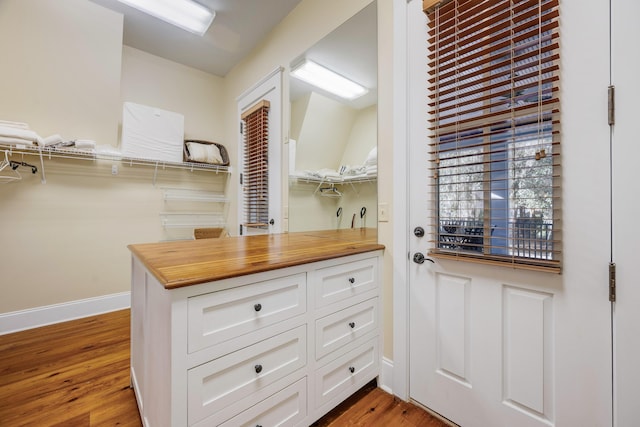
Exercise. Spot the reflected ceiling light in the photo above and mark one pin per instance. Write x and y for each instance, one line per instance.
(328, 80)
(185, 14)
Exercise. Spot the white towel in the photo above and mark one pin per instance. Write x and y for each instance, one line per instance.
(14, 141)
(12, 132)
(52, 139)
(17, 125)
(372, 158)
(85, 144)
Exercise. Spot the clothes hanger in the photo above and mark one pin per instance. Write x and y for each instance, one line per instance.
(330, 191)
(4, 179)
(5, 162)
(15, 165)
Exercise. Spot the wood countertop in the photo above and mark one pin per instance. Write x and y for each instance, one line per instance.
(190, 262)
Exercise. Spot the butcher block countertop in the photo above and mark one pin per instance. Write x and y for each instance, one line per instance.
(190, 262)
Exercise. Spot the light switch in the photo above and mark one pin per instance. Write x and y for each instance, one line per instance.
(383, 212)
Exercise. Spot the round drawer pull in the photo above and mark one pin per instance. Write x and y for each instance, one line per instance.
(352, 369)
(352, 324)
(258, 368)
(352, 280)
(257, 307)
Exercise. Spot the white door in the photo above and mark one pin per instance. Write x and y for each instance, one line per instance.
(268, 89)
(626, 209)
(495, 346)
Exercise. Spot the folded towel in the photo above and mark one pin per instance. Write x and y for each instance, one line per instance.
(354, 170)
(372, 158)
(12, 132)
(17, 125)
(13, 141)
(52, 139)
(85, 144)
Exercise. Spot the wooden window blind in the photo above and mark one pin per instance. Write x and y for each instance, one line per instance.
(495, 131)
(255, 177)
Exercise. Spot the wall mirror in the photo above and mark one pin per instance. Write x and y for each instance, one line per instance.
(333, 140)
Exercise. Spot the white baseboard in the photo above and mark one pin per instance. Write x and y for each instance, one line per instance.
(386, 375)
(41, 316)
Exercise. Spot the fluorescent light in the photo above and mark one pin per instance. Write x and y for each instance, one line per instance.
(328, 80)
(185, 14)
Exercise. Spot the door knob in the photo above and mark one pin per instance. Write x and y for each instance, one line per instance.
(419, 258)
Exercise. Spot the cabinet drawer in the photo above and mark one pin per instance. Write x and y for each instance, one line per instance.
(219, 316)
(223, 381)
(346, 372)
(287, 407)
(342, 281)
(345, 326)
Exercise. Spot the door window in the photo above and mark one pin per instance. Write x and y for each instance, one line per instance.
(495, 131)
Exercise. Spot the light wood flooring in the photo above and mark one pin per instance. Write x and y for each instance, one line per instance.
(77, 374)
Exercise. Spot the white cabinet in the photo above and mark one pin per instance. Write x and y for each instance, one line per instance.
(281, 347)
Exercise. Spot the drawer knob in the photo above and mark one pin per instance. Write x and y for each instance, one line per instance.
(352, 324)
(258, 368)
(257, 307)
(352, 280)
(352, 369)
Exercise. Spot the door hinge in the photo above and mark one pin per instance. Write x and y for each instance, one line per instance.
(612, 281)
(611, 95)
(241, 128)
(240, 179)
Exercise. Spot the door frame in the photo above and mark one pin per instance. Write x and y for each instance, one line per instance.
(271, 83)
(401, 132)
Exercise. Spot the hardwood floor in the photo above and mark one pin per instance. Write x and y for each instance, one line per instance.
(70, 374)
(77, 374)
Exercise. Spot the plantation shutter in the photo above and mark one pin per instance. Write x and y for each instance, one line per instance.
(495, 131)
(255, 177)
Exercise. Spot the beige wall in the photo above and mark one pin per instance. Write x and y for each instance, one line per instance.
(150, 80)
(324, 133)
(61, 67)
(66, 240)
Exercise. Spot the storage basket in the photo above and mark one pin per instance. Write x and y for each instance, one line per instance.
(223, 152)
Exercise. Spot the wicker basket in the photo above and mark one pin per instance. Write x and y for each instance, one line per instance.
(223, 151)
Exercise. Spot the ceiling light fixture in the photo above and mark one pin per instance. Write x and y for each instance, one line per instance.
(328, 80)
(185, 14)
